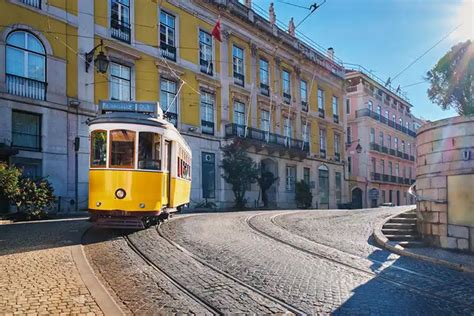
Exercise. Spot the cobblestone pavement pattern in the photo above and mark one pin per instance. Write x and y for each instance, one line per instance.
(341, 272)
(37, 272)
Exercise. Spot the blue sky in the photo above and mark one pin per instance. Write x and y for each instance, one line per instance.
(386, 35)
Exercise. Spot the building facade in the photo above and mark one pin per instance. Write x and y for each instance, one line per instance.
(278, 94)
(380, 141)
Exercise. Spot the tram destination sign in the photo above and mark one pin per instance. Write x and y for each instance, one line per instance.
(127, 106)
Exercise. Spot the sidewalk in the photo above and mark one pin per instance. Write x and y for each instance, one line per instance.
(42, 270)
(452, 259)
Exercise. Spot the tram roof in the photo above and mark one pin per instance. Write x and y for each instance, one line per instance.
(131, 118)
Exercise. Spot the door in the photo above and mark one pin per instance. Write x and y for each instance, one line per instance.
(356, 198)
(398, 198)
(166, 173)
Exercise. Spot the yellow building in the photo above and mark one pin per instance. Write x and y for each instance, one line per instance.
(263, 84)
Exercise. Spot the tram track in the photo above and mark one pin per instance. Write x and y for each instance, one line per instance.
(320, 255)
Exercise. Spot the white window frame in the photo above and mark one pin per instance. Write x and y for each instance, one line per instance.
(237, 62)
(176, 102)
(208, 108)
(121, 81)
(267, 71)
(286, 82)
(304, 84)
(321, 99)
(322, 139)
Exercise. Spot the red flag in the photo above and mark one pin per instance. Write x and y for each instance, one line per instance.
(216, 31)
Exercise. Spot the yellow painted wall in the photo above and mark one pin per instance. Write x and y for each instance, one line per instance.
(71, 66)
(146, 27)
(67, 5)
(101, 12)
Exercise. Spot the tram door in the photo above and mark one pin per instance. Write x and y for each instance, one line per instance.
(166, 172)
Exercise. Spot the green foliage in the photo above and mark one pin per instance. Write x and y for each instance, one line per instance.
(34, 197)
(240, 171)
(9, 177)
(303, 195)
(206, 204)
(452, 78)
(265, 181)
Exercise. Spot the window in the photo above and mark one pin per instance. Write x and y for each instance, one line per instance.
(381, 138)
(336, 146)
(407, 125)
(25, 66)
(238, 65)
(120, 20)
(403, 146)
(335, 109)
(370, 105)
(208, 175)
(285, 78)
(122, 149)
(349, 135)
(372, 135)
(306, 134)
(321, 102)
(184, 162)
(290, 178)
(98, 149)
(304, 95)
(265, 123)
(389, 141)
(382, 166)
(323, 185)
(149, 151)
(390, 196)
(390, 172)
(400, 121)
(167, 35)
(374, 165)
(287, 131)
(30, 168)
(396, 143)
(239, 117)
(409, 173)
(120, 82)
(387, 115)
(306, 175)
(349, 164)
(397, 169)
(207, 113)
(348, 106)
(168, 100)
(383, 196)
(26, 130)
(338, 188)
(394, 118)
(205, 52)
(264, 78)
(322, 142)
(409, 149)
(379, 111)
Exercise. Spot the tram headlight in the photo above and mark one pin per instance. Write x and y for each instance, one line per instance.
(120, 193)
(98, 204)
(142, 205)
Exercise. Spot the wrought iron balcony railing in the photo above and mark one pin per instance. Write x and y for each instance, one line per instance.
(120, 30)
(335, 118)
(337, 156)
(236, 130)
(304, 106)
(206, 67)
(264, 89)
(321, 112)
(286, 98)
(239, 79)
(207, 127)
(322, 153)
(168, 51)
(32, 3)
(26, 87)
(378, 117)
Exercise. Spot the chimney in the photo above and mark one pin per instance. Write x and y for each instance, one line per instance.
(271, 14)
(331, 53)
(248, 4)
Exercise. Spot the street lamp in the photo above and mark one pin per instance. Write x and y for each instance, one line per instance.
(101, 62)
(359, 148)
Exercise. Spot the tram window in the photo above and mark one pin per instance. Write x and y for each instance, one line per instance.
(98, 149)
(122, 148)
(149, 156)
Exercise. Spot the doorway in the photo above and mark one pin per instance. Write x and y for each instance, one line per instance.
(356, 198)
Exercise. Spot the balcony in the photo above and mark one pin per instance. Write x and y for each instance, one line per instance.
(406, 156)
(412, 158)
(207, 127)
(393, 179)
(335, 118)
(337, 156)
(264, 89)
(168, 51)
(385, 178)
(384, 149)
(399, 154)
(374, 146)
(406, 181)
(393, 152)
(286, 98)
(376, 116)
(206, 67)
(322, 153)
(321, 113)
(259, 138)
(120, 30)
(26, 87)
(400, 180)
(375, 176)
(239, 79)
(304, 106)
(32, 3)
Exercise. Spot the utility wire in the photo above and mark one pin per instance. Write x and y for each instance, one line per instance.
(426, 52)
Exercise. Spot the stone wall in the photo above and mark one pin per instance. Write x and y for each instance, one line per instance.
(445, 149)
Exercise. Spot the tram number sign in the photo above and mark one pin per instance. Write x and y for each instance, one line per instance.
(127, 106)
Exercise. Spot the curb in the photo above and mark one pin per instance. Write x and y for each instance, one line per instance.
(382, 241)
(100, 294)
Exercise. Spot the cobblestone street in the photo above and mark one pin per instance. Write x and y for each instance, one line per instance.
(302, 262)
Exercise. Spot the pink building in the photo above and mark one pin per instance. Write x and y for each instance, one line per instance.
(380, 142)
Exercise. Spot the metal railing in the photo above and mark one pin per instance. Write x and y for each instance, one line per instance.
(206, 67)
(168, 51)
(264, 89)
(304, 106)
(207, 127)
(335, 118)
(239, 79)
(26, 87)
(375, 176)
(321, 112)
(286, 98)
(236, 130)
(378, 117)
(32, 3)
(120, 30)
(337, 156)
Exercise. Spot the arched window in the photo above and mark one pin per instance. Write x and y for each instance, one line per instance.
(25, 65)
(323, 184)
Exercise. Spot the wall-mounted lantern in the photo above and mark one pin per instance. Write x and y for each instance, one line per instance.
(101, 62)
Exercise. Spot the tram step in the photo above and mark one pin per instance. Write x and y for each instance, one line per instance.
(120, 222)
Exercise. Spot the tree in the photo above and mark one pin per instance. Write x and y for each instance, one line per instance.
(34, 197)
(9, 181)
(303, 195)
(240, 171)
(451, 79)
(265, 181)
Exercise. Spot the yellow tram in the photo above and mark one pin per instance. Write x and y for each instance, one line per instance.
(140, 165)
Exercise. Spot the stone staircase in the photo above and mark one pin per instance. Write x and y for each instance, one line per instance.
(402, 230)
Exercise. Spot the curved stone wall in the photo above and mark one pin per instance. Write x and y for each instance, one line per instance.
(445, 182)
